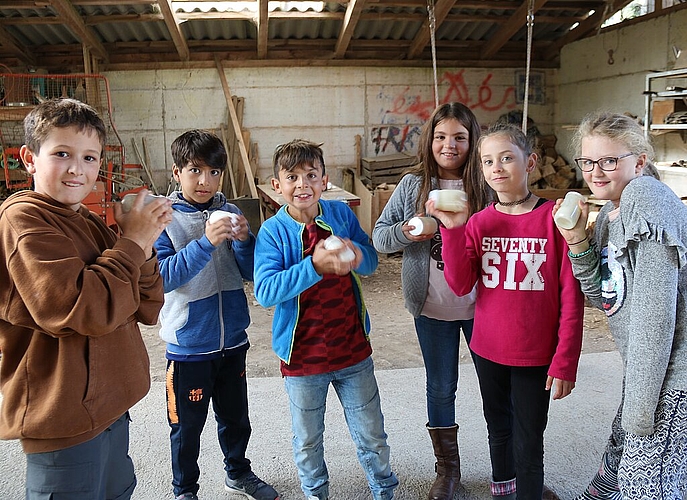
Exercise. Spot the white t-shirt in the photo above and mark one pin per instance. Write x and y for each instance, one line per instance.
(441, 303)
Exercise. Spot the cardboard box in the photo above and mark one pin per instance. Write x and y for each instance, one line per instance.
(661, 109)
(372, 202)
(675, 178)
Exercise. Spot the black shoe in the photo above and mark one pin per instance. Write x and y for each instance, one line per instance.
(251, 486)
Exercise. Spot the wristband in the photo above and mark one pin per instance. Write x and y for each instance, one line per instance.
(577, 255)
(578, 242)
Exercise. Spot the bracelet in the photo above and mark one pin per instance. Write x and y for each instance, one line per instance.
(578, 255)
(578, 242)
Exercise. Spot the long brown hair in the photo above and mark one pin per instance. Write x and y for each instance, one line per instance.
(477, 190)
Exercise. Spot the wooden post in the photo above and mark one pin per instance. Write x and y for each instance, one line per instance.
(358, 156)
(237, 129)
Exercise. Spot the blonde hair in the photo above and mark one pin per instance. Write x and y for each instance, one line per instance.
(620, 128)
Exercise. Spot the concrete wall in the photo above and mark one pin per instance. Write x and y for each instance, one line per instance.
(588, 82)
(386, 107)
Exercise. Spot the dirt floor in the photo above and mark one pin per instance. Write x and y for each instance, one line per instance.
(393, 335)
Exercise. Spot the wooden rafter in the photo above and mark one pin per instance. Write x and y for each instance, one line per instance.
(441, 10)
(73, 21)
(592, 23)
(353, 13)
(263, 28)
(174, 29)
(25, 5)
(15, 48)
(516, 21)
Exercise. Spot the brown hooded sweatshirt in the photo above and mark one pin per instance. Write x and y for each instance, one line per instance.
(71, 296)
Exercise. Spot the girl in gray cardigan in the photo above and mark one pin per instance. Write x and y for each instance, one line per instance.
(634, 267)
(448, 160)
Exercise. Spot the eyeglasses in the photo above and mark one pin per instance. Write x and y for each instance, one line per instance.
(606, 163)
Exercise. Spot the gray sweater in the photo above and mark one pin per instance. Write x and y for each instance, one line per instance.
(639, 278)
(388, 237)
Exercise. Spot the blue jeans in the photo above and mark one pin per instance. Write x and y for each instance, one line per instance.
(356, 388)
(439, 343)
(98, 469)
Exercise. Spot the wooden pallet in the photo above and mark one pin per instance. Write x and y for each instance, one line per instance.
(385, 169)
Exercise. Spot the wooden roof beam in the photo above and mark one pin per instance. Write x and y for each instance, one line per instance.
(353, 13)
(25, 5)
(15, 48)
(592, 23)
(263, 28)
(516, 21)
(172, 24)
(441, 10)
(73, 21)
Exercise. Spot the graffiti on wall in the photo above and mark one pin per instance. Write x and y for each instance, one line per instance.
(395, 138)
(414, 110)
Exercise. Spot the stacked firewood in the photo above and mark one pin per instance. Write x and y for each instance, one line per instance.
(552, 171)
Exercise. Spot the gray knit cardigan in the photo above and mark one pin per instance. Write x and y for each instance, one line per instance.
(388, 237)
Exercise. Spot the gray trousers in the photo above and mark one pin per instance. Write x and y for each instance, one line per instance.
(99, 469)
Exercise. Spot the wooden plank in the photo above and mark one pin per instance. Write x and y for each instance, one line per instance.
(239, 171)
(237, 128)
(144, 164)
(384, 171)
(230, 169)
(254, 155)
(381, 179)
(358, 154)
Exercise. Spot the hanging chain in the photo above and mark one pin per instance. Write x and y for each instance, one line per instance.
(432, 28)
(530, 29)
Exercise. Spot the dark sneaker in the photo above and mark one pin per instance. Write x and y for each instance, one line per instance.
(187, 496)
(251, 486)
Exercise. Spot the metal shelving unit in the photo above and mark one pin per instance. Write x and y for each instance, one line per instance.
(674, 89)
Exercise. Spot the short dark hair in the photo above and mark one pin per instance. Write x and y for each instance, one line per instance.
(61, 113)
(296, 153)
(199, 147)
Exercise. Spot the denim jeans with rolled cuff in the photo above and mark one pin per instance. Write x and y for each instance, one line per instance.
(356, 388)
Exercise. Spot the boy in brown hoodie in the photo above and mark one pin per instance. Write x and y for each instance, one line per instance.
(73, 360)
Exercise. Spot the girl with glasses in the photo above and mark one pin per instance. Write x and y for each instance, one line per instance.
(634, 268)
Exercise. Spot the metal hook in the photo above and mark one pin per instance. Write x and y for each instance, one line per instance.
(610, 56)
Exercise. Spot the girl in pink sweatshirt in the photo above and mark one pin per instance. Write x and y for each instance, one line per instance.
(528, 313)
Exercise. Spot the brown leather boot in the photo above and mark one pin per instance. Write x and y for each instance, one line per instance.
(549, 494)
(445, 443)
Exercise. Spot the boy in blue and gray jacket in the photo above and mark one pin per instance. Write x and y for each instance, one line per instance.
(203, 262)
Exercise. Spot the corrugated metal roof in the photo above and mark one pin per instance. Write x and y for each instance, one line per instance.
(298, 33)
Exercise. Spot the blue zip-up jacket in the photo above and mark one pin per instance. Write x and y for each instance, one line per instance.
(205, 309)
(282, 273)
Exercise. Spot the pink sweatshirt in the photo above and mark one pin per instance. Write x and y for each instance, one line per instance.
(529, 307)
